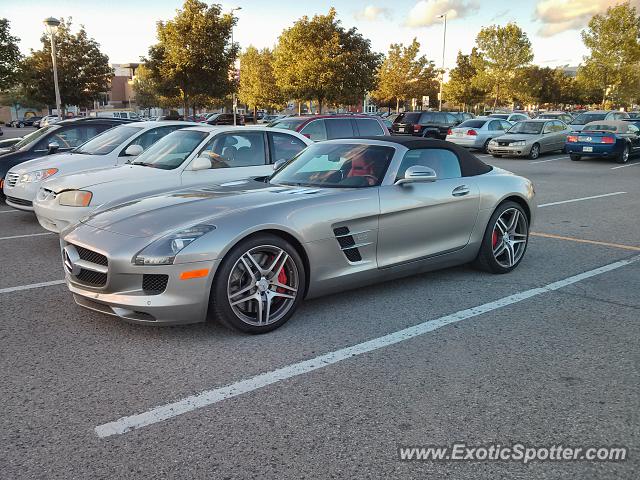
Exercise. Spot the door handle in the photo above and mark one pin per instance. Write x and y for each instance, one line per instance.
(460, 191)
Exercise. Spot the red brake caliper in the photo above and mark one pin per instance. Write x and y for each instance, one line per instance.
(282, 278)
(494, 239)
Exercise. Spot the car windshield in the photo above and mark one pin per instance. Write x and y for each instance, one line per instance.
(585, 118)
(336, 166)
(472, 124)
(531, 128)
(287, 123)
(106, 142)
(169, 152)
(34, 136)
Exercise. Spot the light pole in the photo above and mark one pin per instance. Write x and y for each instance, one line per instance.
(444, 43)
(233, 95)
(52, 25)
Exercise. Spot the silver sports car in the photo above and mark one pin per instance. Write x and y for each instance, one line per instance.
(342, 214)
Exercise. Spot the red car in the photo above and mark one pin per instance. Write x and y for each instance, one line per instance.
(328, 127)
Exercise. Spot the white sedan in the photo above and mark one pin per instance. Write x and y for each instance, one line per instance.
(116, 146)
(191, 156)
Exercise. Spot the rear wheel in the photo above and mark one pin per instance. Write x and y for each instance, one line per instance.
(259, 285)
(505, 239)
(575, 158)
(623, 156)
(534, 152)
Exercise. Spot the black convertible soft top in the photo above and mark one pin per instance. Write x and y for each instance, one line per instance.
(470, 165)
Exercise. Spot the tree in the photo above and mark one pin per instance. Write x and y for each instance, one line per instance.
(83, 70)
(318, 59)
(10, 57)
(145, 89)
(613, 66)
(460, 89)
(258, 86)
(503, 52)
(403, 74)
(194, 54)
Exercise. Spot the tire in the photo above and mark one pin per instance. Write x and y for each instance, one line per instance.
(575, 158)
(534, 152)
(20, 125)
(233, 278)
(485, 147)
(623, 156)
(491, 242)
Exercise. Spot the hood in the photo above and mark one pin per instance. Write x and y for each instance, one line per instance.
(121, 174)
(160, 214)
(50, 161)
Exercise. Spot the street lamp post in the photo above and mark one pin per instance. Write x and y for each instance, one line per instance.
(444, 43)
(233, 95)
(52, 25)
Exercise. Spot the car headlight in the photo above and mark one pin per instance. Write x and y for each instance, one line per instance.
(493, 142)
(164, 250)
(518, 144)
(75, 198)
(38, 175)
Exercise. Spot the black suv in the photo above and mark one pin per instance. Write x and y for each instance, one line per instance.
(425, 124)
(59, 137)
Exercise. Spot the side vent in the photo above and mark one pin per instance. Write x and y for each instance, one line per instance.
(347, 244)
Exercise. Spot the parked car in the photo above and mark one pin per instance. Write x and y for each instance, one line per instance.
(49, 120)
(530, 138)
(224, 119)
(115, 146)
(463, 116)
(511, 117)
(611, 139)
(478, 132)
(270, 118)
(191, 156)
(582, 119)
(25, 122)
(342, 214)
(562, 116)
(327, 127)
(634, 115)
(425, 124)
(61, 137)
(389, 119)
(117, 114)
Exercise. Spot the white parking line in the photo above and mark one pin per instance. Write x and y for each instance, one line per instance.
(28, 235)
(209, 397)
(31, 286)
(549, 160)
(10, 211)
(580, 199)
(625, 166)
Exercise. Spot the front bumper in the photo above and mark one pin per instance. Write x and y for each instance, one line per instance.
(21, 195)
(55, 217)
(519, 151)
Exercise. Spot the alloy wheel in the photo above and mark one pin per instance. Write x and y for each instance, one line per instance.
(535, 151)
(263, 285)
(509, 237)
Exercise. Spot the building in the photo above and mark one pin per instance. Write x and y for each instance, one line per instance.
(121, 95)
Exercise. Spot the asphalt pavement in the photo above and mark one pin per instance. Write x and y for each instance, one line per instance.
(543, 356)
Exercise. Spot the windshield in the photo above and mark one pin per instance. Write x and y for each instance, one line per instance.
(472, 124)
(170, 151)
(288, 123)
(585, 118)
(336, 166)
(532, 128)
(106, 142)
(34, 136)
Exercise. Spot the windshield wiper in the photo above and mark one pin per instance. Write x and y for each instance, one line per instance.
(143, 164)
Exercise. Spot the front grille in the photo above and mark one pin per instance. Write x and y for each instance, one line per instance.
(504, 144)
(347, 244)
(20, 201)
(154, 284)
(90, 277)
(12, 179)
(91, 256)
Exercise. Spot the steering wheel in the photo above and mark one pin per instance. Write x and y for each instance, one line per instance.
(371, 179)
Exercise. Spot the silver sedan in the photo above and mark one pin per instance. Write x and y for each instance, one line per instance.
(342, 214)
(530, 138)
(478, 132)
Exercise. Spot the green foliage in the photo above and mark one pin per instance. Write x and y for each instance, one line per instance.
(258, 86)
(194, 55)
(318, 59)
(461, 89)
(10, 57)
(403, 74)
(502, 54)
(83, 70)
(613, 67)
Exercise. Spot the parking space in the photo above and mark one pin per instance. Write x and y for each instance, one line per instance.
(540, 357)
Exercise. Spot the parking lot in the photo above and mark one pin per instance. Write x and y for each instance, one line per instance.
(545, 355)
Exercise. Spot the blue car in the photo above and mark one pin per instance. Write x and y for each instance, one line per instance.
(612, 139)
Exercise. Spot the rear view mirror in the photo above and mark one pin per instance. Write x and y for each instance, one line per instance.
(418, 173)
(53, 147)
(201, 163)
(133, 150)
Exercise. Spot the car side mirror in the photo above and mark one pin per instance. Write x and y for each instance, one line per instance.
(53, 147)
(201, 163)
(133, 150)
(278, 165)
(418, 173)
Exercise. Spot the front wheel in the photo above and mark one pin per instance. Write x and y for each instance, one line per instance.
(505, 239)
(623, 157)
(575, 158)
(485, 147)
(259, 285)
(534, 152)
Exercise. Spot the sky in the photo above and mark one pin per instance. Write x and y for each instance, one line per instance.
(126, 28)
